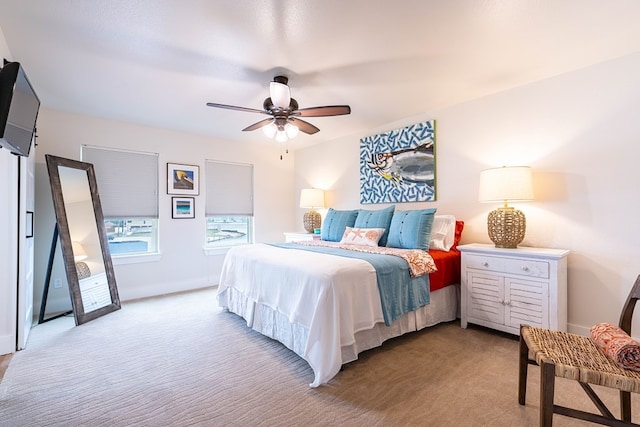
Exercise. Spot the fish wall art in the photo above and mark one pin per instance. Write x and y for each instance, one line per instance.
(399, 165)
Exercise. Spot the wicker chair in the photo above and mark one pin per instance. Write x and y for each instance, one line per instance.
(576, 357)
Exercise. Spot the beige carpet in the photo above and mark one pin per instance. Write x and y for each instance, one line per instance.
(180, 361)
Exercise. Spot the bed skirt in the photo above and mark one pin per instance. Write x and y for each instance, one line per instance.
(273, 324)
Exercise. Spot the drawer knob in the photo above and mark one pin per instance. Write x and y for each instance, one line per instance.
(525, 268)
(485, 264)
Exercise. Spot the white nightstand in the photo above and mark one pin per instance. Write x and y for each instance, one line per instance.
(301, 235)
(502, 288)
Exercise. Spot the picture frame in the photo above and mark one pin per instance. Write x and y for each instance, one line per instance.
(399, 166)
(183, 179)
(183, 207)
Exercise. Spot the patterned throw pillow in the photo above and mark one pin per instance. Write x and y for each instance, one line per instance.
(362, 236)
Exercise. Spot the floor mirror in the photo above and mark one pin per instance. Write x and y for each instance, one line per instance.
(83, 238)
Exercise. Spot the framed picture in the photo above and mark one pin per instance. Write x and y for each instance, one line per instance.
(183, 207)
(182, 179)
(399, 166)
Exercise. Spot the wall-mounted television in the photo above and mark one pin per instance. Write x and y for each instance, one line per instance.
(19, 107)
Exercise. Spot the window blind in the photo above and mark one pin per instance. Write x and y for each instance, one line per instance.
(127, 181)
(229, 188)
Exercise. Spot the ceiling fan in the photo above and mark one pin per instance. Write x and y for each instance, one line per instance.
(284, 122)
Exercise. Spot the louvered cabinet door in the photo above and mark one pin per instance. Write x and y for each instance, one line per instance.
(485, 296)
(526, 302)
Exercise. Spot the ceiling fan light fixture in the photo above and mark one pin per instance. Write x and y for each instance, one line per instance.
(280, 95)
(270, 130)
(291, 130)
(281, 136)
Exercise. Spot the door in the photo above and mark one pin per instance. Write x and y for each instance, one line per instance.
(26, 214)
(486, 297)
(527, 302)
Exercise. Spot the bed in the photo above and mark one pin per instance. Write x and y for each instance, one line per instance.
(326, 305)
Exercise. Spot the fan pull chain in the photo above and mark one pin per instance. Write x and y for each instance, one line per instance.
(286, 149)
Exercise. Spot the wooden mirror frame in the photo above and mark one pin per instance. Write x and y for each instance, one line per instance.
(81, 316)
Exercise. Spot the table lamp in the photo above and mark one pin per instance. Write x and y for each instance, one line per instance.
(506, 225)
(312, 198)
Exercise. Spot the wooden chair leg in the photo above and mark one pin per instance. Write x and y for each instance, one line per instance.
(522, 375)
(547, 388)
(625, 406)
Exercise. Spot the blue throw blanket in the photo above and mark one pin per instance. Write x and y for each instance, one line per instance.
(399, 292)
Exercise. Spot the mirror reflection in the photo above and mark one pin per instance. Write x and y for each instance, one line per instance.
(85, 241)
(83, 238)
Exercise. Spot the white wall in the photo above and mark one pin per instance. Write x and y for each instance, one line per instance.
(579, 133)
(183, 264)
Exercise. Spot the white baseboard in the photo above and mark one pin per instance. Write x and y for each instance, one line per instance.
(7, 344)
(578, 329)
(160, 289)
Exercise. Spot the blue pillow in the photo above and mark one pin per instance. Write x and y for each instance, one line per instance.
(336, 222)
(411, 229)
(380, 218)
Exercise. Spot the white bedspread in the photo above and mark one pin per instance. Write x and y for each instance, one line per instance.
(331, 296)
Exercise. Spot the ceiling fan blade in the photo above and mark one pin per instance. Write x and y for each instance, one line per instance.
(329, 110)
(305, 127)
(233, 107)
(259, 124)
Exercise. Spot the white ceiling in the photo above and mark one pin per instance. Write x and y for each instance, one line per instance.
(157, 62)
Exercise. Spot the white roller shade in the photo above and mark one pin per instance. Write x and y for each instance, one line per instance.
(127, 181)
(229, 188)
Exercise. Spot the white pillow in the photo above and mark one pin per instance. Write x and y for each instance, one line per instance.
(362, 236)
(442, 232)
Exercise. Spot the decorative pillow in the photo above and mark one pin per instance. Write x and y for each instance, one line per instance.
(442, 232)
(362, 236)
(380, 218)
(335, 223)
(411, 229)
(458, 235)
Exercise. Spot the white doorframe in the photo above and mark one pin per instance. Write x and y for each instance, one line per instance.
(26, 249)
(8, 251)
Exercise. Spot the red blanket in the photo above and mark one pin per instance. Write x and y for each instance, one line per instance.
(447, 263)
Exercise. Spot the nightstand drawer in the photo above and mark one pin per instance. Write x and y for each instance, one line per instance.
(523, 267)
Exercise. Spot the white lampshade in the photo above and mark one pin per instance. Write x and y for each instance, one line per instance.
(281, 136)
(508, 183)
(312, 198)
(78, 251)
(291, 130)
(270, 130)
(280, 95)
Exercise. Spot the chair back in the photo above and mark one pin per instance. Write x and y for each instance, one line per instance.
(627, 311)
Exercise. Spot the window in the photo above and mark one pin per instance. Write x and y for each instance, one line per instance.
(128, 186)
(229, 203)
